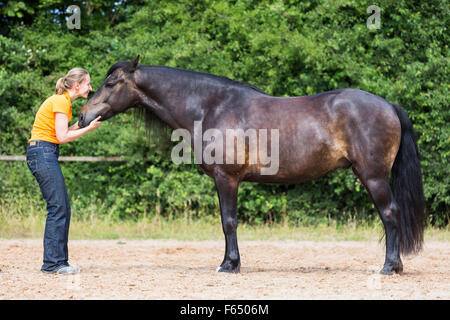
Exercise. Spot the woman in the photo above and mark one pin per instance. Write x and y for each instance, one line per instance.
(50, 129)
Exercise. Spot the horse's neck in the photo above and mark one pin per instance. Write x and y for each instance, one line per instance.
(158, 109)
(177, 110)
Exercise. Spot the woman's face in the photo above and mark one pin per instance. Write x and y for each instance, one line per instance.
(83, 88)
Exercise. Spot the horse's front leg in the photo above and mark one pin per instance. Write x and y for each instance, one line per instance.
(227, 189)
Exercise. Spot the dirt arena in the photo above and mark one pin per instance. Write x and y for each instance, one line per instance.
(170, 269)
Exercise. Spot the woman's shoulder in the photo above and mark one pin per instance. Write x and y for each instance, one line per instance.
(57, 101)
(59, 98)
(55, 98)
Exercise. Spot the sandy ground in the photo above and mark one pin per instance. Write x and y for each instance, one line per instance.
(170, 269)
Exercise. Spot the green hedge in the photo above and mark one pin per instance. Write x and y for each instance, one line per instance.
(286, 48)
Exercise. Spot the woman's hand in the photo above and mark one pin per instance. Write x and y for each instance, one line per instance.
(64, 135)
(75, 126)
(94, 123)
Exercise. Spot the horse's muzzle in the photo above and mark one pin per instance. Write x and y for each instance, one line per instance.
(81, 118)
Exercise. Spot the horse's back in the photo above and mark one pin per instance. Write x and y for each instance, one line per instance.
(316, 134)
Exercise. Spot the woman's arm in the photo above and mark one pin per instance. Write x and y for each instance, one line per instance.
(65, 134)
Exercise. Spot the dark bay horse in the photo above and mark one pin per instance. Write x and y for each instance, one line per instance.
(316, 134)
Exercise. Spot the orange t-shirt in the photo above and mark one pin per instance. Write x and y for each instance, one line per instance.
(44, 123)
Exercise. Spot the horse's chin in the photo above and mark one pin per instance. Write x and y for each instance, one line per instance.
(107, 116)
(83, 124)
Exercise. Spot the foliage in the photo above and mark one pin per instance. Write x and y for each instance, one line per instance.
(286, 48)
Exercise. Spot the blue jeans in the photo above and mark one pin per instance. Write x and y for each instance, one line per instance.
(42, 160)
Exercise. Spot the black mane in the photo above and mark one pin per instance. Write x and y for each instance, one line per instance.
(126, 66)
(223, 79)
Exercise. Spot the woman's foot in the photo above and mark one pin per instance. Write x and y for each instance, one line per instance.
(64, 270)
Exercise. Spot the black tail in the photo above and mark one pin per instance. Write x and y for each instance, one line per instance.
(407, 188)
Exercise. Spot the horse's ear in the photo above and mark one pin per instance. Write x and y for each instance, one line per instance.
(134, 63)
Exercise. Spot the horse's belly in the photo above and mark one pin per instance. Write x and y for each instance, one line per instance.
(296, 166)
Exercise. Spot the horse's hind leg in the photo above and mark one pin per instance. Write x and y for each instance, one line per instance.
(381, 194)
(227, 190)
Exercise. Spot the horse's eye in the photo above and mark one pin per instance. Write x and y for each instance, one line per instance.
(113, 82)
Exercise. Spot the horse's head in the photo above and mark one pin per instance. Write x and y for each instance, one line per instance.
(116, 94)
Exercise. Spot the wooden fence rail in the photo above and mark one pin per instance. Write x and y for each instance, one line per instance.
(73, 158)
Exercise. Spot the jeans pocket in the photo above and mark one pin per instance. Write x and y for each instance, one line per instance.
(49, 149)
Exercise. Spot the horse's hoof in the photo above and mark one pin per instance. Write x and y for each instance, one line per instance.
(386, 271)
(227, 267)
(389, 269)
(220, 269)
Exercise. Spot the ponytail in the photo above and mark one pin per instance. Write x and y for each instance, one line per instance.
(73, 76)
(60, 87)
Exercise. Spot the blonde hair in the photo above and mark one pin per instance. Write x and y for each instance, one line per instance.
(66, 82)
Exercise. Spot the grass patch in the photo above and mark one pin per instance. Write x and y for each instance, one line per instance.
(32, 224)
